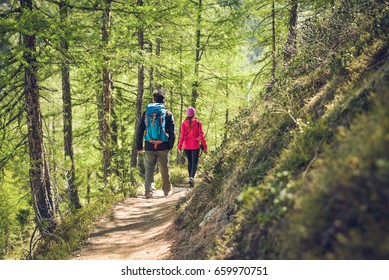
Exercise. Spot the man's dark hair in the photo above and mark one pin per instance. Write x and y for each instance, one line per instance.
(159, 96)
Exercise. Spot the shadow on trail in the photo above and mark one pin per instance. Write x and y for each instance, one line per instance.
(138, 228)
(142, 218)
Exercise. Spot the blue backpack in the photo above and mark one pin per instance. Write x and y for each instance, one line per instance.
(155, 124)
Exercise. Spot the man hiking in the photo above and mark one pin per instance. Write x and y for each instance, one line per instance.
(157, 129)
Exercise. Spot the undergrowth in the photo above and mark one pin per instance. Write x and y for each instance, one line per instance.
(72, 231)
(343, 214)
(266, 207)
(264, 173)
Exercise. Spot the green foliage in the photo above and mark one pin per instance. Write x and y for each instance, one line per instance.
(5, 223)
(261, 159)
(307, 143)
(272, 156)
(344, 213)
(73, 231)
(178, 175)
(16, 215)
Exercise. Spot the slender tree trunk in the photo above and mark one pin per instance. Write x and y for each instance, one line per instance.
(119, 136)
(196, 82)
(227, 95)
(273, 69)
(180, 158)
(151, 71)
(181, 93)
(88, 176)
(114, 140)
(41, 188)
(158, 54)
(139, 99)
(107, 96)
(67, 114)
(154, 70)
(290, 47)
(52, 157)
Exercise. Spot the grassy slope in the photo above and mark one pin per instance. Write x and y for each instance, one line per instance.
(308, 182)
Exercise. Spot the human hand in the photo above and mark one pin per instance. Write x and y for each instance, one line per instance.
(140, 152)
(180, 151)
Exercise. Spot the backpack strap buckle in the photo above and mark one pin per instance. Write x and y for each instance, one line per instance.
(156, 143)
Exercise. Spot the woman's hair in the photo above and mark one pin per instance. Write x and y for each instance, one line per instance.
(190, 120)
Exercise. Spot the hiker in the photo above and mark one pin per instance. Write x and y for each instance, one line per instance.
(191, 140)
(157, 128)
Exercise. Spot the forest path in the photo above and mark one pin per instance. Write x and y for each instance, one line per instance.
(138, 229)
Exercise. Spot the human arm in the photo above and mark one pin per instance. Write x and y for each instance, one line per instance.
(202, 137)
(170, 129)
(182, 137)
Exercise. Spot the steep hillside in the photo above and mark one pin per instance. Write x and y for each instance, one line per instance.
(304, 173)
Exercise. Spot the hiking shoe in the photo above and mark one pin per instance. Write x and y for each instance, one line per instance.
(191, 182)
(148, 195)
(169, 191)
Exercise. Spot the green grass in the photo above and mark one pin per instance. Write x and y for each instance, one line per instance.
(344, 213)
(73, 231)
(259, 179)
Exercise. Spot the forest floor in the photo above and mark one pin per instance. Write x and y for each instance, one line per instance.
(137, 229)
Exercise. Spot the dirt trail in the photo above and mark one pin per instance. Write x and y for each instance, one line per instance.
(138, 229)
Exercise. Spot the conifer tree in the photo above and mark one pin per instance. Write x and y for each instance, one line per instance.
(67, 111)
(106, 130)
(141, 82)
(290, 46)
(196, 82)
(41, 188)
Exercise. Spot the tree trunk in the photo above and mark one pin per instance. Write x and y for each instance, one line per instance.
(196, 82)
(227, 94)
(290, 47)
(180, 158)
(67, 114)
(107, 96)
(88, 176)
(273, 69)
(158, 54)
(115, 168)
(227, 97)
(151, 71)
(156, 73)
(41, 188)
(139, 98)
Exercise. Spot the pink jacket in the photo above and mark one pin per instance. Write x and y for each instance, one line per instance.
(190, 138)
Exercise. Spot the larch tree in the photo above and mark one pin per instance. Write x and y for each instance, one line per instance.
(67, 110)
(41, 188)
(290, 46)
(141, 82)
(106, 101)
(196, 81)
(273, 50)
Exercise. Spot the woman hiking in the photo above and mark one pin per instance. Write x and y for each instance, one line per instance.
(191, 136)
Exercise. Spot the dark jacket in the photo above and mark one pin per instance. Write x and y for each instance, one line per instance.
(169, 127)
